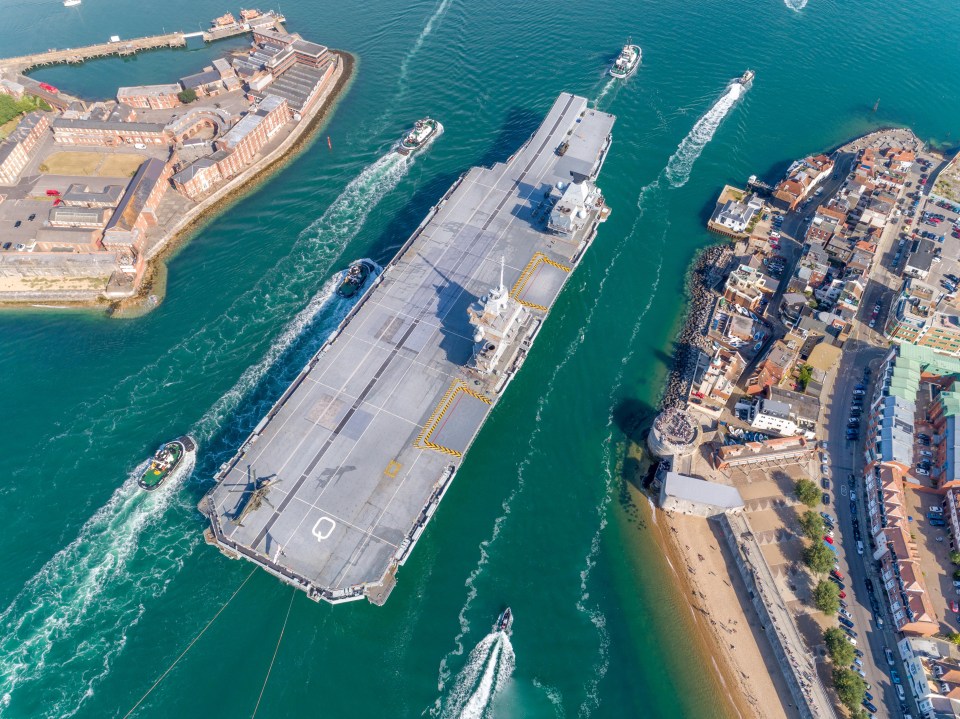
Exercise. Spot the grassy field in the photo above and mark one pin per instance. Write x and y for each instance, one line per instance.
(91, 163)
(120, 165)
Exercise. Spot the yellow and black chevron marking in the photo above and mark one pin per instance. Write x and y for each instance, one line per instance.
(538, 259)
(423, 439)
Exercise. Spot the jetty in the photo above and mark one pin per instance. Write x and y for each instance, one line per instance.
(334, 487)
(122, 48)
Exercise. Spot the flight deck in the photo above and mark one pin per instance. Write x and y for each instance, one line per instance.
(335, 485)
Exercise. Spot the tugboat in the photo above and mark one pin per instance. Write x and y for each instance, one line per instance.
(171, 459)
(746, 78)
(504, 621)
(627, 61)
(355, 278)
(422, 134)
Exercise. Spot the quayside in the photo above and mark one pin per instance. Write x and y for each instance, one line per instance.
(335, 485)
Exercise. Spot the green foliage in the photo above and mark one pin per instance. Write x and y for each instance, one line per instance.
(10, 108)
(956, 573)
(840, 650)
(187, 96)
(807, 492)
(818, 558)
(954, 637)
(826, 597)
(850, 687)
(805, 374)
(812, 524)
(955, 557)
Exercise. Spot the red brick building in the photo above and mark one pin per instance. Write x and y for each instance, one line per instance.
(105, 133)
(136, 212)
(152, 97)
(15, 152)
(251, 134)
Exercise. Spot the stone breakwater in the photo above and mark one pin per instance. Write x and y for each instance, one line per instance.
(710, 266)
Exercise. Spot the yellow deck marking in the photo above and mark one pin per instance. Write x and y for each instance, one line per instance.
(393, 468)
(457, 388)
(538, 259)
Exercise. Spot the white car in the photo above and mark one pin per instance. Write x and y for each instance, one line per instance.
(860, 547)
(921, 471)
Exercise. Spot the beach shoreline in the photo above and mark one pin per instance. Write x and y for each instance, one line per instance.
(152, 289)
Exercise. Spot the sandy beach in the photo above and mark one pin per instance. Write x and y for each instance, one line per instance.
(720, 605)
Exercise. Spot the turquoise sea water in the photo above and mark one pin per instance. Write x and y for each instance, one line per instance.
(103, 587)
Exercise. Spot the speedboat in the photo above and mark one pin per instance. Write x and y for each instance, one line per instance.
(627, 62)
(423, 133)
(504, 621)
(355, 278)
(746, 78)
(171, 460)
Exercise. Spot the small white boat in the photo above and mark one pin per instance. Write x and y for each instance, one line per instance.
(746, 78)
(627, 62)
(71, 3)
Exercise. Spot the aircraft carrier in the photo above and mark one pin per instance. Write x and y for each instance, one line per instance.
(335, 485)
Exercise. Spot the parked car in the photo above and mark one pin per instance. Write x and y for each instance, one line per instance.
(889, 655)
(894, 676)
(845, 622)
(828, 539)
(860, 548)
(825, 483)
(17, 224)
(921, 471)
(837, 574)
(825, 498)
(32, 217)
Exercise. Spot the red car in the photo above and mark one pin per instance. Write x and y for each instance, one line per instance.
(48, 88)
(837, 573)
(828, 539)
(954, 607)
(53, 193)
(843, 595)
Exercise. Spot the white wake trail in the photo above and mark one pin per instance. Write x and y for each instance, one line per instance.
(487, 671)
(795, 5)
(681, 162)
(434, 18)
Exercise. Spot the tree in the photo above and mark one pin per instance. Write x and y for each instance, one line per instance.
(826, 597)
(807, 492)
(812, 524)
(187, 96)
(955, 557)
(850, 687)
(818, 558)
(954, 637)
(840, 650)
(805, 375)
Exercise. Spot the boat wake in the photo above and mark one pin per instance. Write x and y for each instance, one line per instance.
(71, 618)
(486, 673)
(435, 17)
(795, 5)
(607, 87)
(681, 162)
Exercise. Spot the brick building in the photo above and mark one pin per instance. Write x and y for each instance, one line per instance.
(136, 212)
(195, 180)
(249, 136)
(153, 97)
(15, 152)
(104, 133)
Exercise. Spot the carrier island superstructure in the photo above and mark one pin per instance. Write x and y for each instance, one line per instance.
(335, 485)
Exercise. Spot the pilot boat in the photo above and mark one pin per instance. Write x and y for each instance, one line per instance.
(423, 133)
(627, 62)
(746, 78)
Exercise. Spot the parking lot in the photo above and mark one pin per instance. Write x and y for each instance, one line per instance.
(925, 512)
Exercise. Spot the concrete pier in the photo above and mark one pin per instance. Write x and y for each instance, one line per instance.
(81, 54)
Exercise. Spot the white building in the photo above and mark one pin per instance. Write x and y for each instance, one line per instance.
(737, 215)
(772, 415)
(933, 673)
